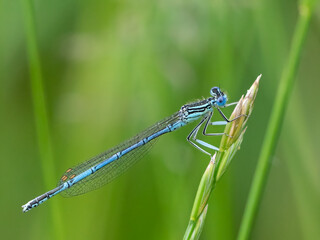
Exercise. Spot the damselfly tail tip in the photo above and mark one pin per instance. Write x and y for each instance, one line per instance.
(26, 207)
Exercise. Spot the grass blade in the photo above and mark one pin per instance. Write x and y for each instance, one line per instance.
(276, 119)
(40, 113)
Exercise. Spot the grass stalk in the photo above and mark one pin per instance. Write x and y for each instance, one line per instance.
(276, 119)
(229, 145)
(40, 112)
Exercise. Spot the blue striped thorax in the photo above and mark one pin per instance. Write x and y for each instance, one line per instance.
(193, 111)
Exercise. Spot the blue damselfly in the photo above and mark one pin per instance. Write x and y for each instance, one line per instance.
(108, 165)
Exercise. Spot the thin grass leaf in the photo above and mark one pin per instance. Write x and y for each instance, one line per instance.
(276, 119)
(40, 112)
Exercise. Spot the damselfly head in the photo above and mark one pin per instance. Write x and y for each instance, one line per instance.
(219, 97)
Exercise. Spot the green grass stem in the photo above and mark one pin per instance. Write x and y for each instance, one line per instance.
(276, 119)
(40, 113)
(230, 143)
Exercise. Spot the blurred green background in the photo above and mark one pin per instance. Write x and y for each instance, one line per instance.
(111, 69)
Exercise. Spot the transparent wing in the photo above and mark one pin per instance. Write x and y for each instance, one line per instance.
(115, 168)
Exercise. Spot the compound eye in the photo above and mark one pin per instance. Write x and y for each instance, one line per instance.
(222, 100)
(215, 91)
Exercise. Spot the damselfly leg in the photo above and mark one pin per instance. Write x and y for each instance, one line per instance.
(193, 134)
(227, 120)
(216, 123)
(230, 104)
(192, 137)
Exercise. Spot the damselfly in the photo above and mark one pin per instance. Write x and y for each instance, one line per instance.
(108, 165)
